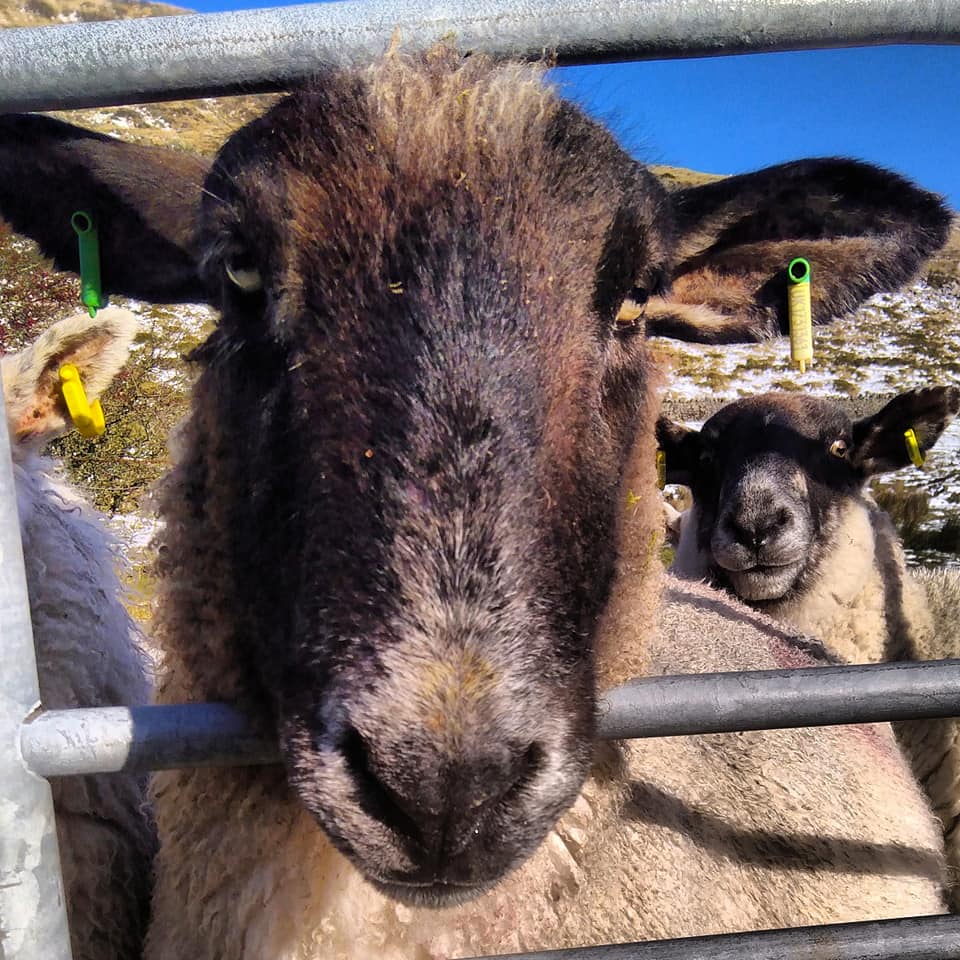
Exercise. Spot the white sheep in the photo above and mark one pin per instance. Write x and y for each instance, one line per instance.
(87, 650)
(782, 517)
(412, 529)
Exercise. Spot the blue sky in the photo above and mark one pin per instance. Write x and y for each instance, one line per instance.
(897, 106)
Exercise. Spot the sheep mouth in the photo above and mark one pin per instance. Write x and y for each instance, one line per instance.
(436, 894)
(764, 581)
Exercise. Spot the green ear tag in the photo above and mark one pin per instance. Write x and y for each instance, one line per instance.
(91, 294)
(913, 447)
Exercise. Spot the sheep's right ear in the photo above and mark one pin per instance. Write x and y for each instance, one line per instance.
(862, 229)
(681, 446)
(97, 347)
(145, 202)
(879, 444)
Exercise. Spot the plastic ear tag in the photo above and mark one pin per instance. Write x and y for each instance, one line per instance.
(913, 447)
(798, 307)
(87, 417)
(661, 469)
(91, 294)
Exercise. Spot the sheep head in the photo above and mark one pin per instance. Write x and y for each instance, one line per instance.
(774, 476)
(411, 432)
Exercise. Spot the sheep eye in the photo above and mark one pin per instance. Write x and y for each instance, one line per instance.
(632, 309)
(839, 449)
(248, 279)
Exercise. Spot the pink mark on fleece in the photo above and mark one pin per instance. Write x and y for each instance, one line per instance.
(791, 653)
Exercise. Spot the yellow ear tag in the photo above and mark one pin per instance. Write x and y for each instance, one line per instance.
(87, 417)
(661, 469)
(798, 309)
(913, 447)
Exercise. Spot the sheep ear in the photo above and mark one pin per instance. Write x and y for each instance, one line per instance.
(879, 444)
(863, 230)
(98, 347)
(145, 202)
(681, 446)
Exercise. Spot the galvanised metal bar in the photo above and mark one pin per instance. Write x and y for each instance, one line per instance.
(164, 58)
(33, 920)
(774, 699)
(916, 938)
(67, 742)
(61, 743)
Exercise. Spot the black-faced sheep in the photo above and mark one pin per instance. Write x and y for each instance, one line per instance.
(87, 647)
(782, 517)
(398, 534)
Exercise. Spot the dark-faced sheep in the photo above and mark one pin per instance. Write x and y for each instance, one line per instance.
(87, 647)
(782, 517)
(398, 531)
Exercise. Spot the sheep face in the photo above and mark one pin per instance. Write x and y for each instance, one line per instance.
(416, 378)
(775, 479)
(397, 499)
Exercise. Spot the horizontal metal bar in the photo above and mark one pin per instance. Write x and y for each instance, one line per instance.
(915, 938)
(67, 742)
(775, 699)
(164, 58)
(61, 743)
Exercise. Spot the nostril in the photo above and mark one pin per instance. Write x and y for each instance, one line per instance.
(529, 764)
(373, 795)
(496, 792)
(738, 532)
(493, 785)
(533, 758)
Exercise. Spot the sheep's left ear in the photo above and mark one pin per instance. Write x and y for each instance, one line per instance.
(879, 443)
(97, 347)
(681, 446)
(864, 230)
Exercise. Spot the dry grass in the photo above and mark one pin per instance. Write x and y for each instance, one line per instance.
(40, 13)
(675, 178)
(944, 268)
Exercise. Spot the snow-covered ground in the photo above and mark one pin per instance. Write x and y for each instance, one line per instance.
(894, 342)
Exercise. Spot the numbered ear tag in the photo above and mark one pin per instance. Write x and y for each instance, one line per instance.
(661, 469)
(798, 304)
(913, 447)
(87, 417)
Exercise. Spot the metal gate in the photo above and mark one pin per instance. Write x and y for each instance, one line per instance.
(98, 64)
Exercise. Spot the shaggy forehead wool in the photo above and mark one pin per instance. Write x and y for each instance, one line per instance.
(374, 172)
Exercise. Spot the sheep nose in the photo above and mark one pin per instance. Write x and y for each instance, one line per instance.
(758, 530)
(436, 807)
